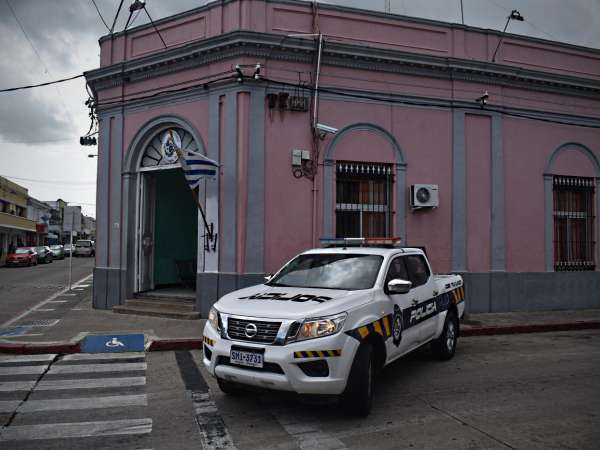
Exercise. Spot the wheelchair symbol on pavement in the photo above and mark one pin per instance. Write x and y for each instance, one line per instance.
(114, 342)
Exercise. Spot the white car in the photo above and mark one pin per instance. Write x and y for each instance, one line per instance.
(331, 318)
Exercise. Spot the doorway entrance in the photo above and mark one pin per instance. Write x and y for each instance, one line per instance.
(168, 247)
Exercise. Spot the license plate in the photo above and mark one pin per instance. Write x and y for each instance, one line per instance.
(242, 358)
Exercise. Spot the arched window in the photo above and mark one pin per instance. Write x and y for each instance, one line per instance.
(154, 154)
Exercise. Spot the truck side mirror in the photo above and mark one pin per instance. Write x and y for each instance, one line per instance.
(398, 286)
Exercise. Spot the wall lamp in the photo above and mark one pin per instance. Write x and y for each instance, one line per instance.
(514, 15)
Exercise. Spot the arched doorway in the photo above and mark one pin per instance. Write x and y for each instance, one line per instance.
(167, 218)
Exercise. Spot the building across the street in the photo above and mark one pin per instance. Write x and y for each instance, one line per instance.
(40, 212)
(16, 230)
(329, 121)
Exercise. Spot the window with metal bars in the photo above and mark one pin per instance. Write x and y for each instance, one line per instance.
(363, 199)
(574, 243)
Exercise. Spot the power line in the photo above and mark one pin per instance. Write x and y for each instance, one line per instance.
(100, 14)
(112, 28)
(72, 183)
(30, 86)
(156, 29)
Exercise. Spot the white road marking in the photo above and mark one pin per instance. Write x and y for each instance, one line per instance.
(68, 295)
(306, 431)
(88, 356)
(9, 406)
(30, 334)
(89, 383)
(12, 386)
(26, 358)
(43, 310)
(213, 432)
(58, 301)
(64, 404)
(95, 368)
(39, 305)
(76, 430)
(23, 370)
(83, 285)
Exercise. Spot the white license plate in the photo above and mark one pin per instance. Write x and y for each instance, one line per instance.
(249, 359)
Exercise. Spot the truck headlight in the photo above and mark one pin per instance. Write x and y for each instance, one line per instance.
(214, 318)
(322, 326)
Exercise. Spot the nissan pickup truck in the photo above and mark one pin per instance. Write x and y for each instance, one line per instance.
(331, 318)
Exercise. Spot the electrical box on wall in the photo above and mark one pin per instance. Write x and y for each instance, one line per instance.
(424, 196)
(299, 155)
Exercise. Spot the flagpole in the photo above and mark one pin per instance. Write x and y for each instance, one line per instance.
(209, 230)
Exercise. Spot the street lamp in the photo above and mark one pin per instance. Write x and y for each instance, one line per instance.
(514, 15)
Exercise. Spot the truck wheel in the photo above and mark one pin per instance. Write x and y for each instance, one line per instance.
(228, 387)
(358, 396)
(445, 346)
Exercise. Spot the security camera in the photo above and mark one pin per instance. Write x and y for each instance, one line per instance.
(483, 99)
(326, 129)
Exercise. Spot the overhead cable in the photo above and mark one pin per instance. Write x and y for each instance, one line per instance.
(100, 14)
(18, 88)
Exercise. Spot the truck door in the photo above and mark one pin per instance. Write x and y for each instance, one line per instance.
(403, 338)
(423, 313)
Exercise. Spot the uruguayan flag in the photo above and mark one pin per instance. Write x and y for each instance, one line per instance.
(196, 167)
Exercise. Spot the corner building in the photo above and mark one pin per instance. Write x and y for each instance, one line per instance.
(517, 178)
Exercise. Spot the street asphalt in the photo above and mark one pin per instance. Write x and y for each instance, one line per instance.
(533, 391)
(21, 288)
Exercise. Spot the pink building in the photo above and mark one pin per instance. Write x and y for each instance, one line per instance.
(516, 179)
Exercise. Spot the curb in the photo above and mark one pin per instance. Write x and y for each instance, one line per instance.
(174, 344)
(196, 343)
(531, 328)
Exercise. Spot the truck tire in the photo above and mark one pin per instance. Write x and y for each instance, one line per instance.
(445, 346)
(358, 396)
(228, 387)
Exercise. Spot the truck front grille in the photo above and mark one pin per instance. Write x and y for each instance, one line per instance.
(266, 332)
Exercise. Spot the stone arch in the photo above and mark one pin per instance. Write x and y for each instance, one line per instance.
(329, 171)
(548, 197)
(148, 131)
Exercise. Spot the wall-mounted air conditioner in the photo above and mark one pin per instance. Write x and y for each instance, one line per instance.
(424, 196)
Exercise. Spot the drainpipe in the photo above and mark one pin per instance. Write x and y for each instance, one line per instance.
(315, 189)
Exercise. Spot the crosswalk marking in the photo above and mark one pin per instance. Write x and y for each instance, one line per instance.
(26, 358)
(30, 375)
(76, 429)
(23, 370)
(9, 405)
(95, 368)
(64, 404)
(91, 356)
(89, 383)
(12, 386)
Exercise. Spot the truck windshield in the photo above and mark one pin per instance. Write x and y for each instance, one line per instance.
(330, 271)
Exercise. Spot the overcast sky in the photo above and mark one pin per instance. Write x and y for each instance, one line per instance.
(49, 39)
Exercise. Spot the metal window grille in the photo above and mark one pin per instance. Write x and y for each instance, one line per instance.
(363, 199)
(574, 243)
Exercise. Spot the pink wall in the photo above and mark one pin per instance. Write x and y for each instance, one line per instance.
(527, 147)
(478, 148)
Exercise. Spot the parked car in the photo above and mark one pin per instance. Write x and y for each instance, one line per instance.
(331, 318)
(67, 249)
(44, 254)
(84, 247)
(23, 256)
(58, 251)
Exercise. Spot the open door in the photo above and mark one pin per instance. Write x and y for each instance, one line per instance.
(146, 233)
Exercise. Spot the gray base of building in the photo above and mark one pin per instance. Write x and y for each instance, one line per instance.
(107, 290)
(528, 291)
(485, 292)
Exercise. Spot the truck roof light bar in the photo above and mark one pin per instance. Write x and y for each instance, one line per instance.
(388, 242)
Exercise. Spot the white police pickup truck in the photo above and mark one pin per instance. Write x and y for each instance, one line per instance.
(331, 318)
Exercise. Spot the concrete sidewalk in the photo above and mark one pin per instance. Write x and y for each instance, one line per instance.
(61, 322)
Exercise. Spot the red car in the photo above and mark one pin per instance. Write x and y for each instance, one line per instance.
(23, 256)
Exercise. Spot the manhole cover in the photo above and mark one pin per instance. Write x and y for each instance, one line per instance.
(40, 323)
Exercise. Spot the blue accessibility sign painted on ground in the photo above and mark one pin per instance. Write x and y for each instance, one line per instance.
(13, 331)
(113, 343)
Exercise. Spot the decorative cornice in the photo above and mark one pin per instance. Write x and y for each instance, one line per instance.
(267, 46)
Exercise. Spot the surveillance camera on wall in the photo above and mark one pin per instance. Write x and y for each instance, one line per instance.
(324, 130)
